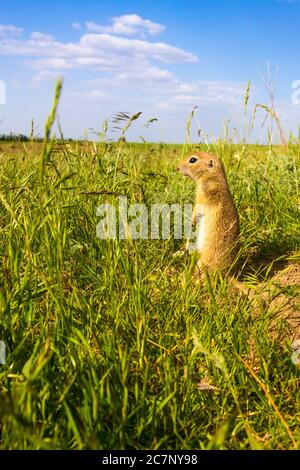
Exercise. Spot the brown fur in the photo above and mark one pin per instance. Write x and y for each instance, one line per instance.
(221, 224)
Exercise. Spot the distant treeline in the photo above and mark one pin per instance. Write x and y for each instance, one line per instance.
(14, 137)
(23, 138)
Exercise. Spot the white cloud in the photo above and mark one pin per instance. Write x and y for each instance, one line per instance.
(50, 63)
(127, 61)
(127, 25)
(10, 30)
(216, 92)
(76, 25)
(132, 73)
(147, 74)
(97, 94)
(46, 75)
(41, 37)
(136, 47)
(204, 98)
(166, 92)
(96, 46)
(163, 105)
(289, 115)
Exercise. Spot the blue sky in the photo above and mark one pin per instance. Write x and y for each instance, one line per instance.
(161, 58)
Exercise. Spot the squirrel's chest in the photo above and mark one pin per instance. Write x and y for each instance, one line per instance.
(201, 232)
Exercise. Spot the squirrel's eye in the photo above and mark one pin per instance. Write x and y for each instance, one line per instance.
(193, 160)
(211, 163)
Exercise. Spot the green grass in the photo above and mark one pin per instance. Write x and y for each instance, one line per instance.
(105, 346)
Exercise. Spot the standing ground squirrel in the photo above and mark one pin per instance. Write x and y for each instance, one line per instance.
(214, 211)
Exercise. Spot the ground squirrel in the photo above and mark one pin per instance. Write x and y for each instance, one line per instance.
(214, 211)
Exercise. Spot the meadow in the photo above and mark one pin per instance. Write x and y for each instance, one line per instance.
(106, 348)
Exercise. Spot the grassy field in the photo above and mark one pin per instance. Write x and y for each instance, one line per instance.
(106, 347)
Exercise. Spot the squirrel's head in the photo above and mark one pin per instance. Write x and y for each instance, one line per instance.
(201, 165)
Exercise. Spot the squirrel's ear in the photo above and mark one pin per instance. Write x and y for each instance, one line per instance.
(211, 163)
